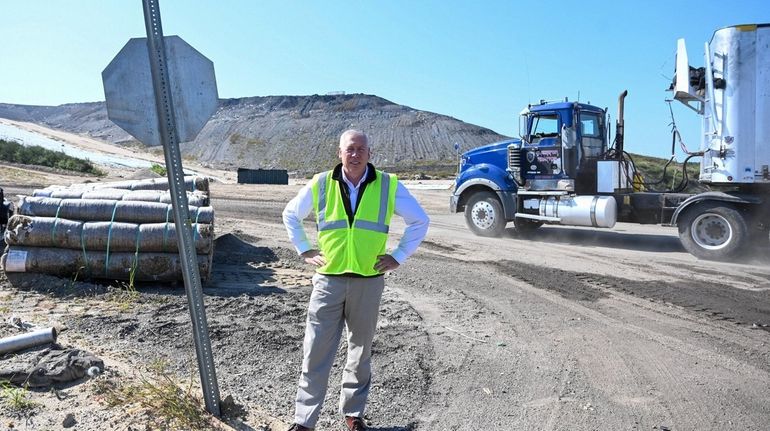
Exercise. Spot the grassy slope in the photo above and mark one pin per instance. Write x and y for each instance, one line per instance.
(652, 169)
(34, 155)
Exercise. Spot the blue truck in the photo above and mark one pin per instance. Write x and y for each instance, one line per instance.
(564, 170)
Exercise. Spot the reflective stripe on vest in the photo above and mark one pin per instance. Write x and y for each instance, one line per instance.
(321, 220)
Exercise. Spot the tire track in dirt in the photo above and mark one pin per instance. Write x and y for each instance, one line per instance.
(732, 275)
(571, 390)
(680, 374)
(717, 301)
(463, 330)
(642, 364)
(657, 384)
(551, 389)
(567, 284)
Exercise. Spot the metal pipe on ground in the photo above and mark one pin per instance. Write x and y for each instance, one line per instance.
(25, 341)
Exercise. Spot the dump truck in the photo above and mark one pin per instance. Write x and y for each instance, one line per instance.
(564, 170)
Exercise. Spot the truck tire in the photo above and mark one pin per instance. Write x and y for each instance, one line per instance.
(713, 231)
(484, 215)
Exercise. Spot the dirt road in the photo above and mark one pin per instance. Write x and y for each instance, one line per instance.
(580, 329)
(575, 329)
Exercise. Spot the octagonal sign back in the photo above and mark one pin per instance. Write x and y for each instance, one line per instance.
(130, 97)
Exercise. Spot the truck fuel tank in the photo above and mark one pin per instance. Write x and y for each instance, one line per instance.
(592, 211)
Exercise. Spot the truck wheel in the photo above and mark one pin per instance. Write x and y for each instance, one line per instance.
(484, 215)
(713, 231)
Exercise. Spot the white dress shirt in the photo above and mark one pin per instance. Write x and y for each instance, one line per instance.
(407, 207)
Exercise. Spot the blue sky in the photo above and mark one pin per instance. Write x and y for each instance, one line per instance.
(480, 62)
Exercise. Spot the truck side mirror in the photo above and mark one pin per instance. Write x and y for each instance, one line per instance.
(523, 133)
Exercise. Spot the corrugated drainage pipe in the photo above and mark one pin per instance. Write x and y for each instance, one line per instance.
(24, 341)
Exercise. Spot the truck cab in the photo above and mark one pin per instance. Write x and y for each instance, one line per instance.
(560, 146)
(556, 156)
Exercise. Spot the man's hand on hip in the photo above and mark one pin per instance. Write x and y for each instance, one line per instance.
(385, 262)
(314, 257)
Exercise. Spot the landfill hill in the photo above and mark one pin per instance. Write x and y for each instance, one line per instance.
(297, 133)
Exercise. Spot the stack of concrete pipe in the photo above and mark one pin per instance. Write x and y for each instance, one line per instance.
(122, 231)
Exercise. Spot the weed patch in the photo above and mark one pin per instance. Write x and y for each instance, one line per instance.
(35, 155)
(165, 401)
(158, 169)
(16, 399)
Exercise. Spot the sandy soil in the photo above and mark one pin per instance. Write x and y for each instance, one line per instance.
(83, 142)
(571, 329)
(154, 155)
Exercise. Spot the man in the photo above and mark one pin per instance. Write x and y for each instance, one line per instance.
(353, 205)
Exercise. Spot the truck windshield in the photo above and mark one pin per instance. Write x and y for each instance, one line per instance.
(545, 126)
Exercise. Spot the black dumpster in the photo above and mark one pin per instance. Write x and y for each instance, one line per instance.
(262, 176)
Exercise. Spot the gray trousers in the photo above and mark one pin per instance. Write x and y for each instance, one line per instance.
(337, 302)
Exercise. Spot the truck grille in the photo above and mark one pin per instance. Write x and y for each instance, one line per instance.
(514, 163)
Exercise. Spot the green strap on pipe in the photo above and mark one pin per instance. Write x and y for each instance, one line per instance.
(195, 226)
(109, 238)
(83, 245)
(55, 222)
(165, 228)
(135, 265)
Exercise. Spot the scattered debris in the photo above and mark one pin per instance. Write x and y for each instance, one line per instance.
(53, 365)
(24, 341)
(69, 421)
(463, 335)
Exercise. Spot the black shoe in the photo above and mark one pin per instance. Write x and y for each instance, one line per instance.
(298, 427)
(355, 424)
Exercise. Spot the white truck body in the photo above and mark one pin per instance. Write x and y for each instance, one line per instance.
(736, 115)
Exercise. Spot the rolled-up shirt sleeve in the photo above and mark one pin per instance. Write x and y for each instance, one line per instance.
(416, 220)
(297, 210)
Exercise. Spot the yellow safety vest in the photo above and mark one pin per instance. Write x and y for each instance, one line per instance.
(353, 249)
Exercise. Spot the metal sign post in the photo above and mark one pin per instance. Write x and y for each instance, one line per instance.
(180, 81)
(168, 135)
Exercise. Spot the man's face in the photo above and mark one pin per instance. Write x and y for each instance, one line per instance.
(354, 154)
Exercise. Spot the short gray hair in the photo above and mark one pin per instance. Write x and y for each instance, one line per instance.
(353, 132)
